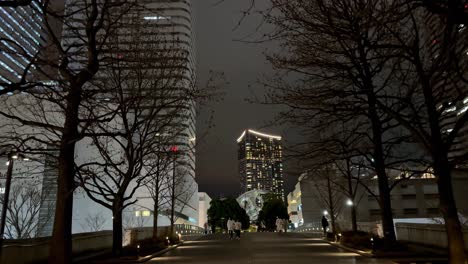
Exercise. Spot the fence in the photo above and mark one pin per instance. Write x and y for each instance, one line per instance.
(428, 234)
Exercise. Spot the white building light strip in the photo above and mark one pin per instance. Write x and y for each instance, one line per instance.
(264, 135)
(155, 18)
(19, 35)
(22, 67)
(242, 136)
(21, 27)
(258, 134)
(463, 110)
(10, 69)
(21, 16)
(4, 80)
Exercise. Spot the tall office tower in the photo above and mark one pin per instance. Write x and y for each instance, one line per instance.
(22, 36)
(158, 37)
(448, 80)
(260, 162)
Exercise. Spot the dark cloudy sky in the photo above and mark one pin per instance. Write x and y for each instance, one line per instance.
(243, 64)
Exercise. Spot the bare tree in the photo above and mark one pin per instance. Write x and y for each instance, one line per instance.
(327, 47)
(23, 210)
(429, 99)
(158, 185)
(87, 25)
(150, 92)
(94, 222)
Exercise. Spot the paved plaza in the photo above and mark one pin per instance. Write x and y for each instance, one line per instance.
(268, 248)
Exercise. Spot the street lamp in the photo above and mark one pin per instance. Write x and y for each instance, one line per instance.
(349, 202)
(325, 212)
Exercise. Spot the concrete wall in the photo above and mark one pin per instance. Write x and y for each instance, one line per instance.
(428, 234)
(25, 251)
(203, 205)
(135, 235)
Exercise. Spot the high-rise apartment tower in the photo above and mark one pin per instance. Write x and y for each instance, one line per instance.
(260, 162)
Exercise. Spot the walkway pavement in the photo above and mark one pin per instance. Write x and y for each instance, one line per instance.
(259, 248)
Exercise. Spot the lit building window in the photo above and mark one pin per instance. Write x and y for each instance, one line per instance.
(137, 213)
(146, 213)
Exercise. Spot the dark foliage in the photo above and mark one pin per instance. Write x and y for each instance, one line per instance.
(272, 208)
(221, 210)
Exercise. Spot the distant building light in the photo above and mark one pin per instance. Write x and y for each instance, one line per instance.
(146, 213)
(451, 109)
(156, 18)
(258, 134)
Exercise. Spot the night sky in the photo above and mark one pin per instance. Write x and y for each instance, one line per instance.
(243, 65)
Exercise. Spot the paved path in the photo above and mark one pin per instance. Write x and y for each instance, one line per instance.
(268, 248)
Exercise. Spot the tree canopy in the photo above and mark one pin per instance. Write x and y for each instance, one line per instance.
(223, 209)
(272, 208)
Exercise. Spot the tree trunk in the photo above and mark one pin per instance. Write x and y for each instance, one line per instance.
(60, 251)
(353, 218)
(173, 187)
(379, 165)
(449, 211)
(351, 195)
(117, 230)
(155, 220)
(331, 205)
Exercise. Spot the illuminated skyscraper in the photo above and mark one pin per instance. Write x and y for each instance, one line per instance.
(22, 35)
(161, 34)
(260, 162)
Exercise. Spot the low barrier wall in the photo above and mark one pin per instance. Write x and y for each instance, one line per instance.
(428, 234)
(36, 250)
(25, 251)
(134, 235)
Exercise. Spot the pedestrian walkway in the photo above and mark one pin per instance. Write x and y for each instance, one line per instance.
(268, 248)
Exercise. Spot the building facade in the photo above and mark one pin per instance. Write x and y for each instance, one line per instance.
(204, 201)
(161, 31)
(415, 199)
(260, 159)
(23, 36)
(252, 203)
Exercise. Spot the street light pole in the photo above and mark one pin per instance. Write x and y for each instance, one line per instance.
(6, 197)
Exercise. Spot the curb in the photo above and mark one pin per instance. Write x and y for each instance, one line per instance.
(360, 252)
(391, 258)
(157, 254)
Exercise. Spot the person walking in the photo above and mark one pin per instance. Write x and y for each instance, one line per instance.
(230, 227)
(206, 228)
(278, 224)
(237, 228)
(285, 225)
(324, 225)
